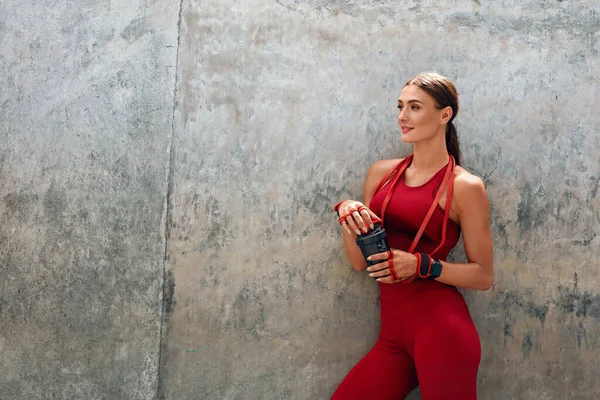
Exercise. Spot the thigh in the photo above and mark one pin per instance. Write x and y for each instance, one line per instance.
(382, 374)
(447, 356)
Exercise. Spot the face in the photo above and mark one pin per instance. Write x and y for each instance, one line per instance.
(419, 117)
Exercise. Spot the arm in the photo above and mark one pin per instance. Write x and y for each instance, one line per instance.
(376, 173)
(474, 216)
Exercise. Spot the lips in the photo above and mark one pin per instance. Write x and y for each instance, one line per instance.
(406, 129)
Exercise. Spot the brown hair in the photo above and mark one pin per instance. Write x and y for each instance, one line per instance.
(445, 94)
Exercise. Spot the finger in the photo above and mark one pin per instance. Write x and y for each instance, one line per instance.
(378, 256)
(367, 218)
(344, 225)
(374, 216)
(378, 268)
(387, 279)
(360, 222)
(352, 224)
(381, 273)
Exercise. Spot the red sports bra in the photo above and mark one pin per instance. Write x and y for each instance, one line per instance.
(406, 209)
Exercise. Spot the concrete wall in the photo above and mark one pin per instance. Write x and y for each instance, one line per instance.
(86, 105)
(280, 108)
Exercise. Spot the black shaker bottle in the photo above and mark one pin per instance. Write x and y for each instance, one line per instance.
(373, 242)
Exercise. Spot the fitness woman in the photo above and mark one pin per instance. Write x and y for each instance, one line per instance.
(424, 202)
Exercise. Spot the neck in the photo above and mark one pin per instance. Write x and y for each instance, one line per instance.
(430, 154)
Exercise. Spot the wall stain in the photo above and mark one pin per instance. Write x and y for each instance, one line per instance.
(55, 204)
(533, 208)
(218, 224)
(507, 329)
(581, 333)
(250, 310)
(471, 20)
(592, 188)
(569, 300)
(135, 30)
(169, 293)
(527, 344)
(579, 302)
(511, 298)
(584, 242)
(20, 205)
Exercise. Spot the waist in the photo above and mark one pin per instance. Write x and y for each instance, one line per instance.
(419, 287)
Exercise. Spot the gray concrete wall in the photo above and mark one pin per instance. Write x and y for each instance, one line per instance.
(280, 108)
(86, 105)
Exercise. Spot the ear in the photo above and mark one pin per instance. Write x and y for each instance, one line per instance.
(446, 114)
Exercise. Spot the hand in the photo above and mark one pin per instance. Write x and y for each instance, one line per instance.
(403, 263)
(354, 216)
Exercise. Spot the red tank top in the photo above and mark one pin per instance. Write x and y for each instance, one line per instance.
(406, 211)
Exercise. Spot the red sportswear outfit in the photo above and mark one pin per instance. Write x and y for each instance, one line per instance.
(427, 336)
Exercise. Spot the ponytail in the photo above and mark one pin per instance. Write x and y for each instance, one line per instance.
(452, 144)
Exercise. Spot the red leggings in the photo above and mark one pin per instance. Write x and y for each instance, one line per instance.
(427, 339)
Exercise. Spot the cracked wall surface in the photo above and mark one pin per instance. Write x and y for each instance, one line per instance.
(86, 105)
(281, 108)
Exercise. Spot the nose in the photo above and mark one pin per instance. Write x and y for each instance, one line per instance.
(401, 116)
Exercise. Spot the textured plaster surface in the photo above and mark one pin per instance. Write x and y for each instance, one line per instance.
(86, 104)
(281, 108)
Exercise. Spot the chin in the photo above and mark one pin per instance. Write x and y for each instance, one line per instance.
(406, 139)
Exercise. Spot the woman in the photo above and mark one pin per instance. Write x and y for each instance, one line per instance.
(425, 201)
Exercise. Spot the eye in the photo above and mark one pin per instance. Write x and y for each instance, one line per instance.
(400, 107)
(414, 107)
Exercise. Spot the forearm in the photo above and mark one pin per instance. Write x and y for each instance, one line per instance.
(353, 251)
(466, 275)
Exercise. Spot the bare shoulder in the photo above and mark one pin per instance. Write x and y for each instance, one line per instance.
(466, 180)
(383, 166)
(469, 188)
(376, 173)
(379, 169)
